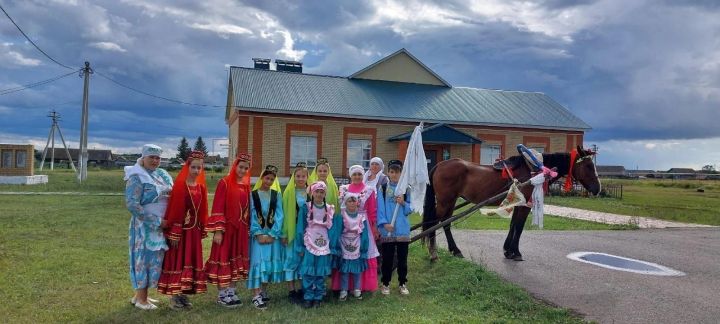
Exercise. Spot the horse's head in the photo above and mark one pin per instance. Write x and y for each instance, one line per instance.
(584, 171)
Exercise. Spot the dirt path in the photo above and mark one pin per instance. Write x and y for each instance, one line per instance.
(608, 218)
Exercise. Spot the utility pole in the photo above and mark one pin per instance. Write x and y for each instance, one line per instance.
(83, 156)
(55, 118)
(595, 150)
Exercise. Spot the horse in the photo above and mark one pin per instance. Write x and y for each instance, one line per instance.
(455, 178)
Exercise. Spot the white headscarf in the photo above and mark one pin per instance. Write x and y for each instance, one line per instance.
(137, 169)
(355, 169)
(374, 183)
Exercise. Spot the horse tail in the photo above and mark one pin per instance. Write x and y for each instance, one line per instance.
(429, 214)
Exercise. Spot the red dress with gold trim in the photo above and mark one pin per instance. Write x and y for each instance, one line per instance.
(229, 261)
(182, 271)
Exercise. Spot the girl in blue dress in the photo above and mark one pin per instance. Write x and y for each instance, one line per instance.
(266, 250)
(312, 243)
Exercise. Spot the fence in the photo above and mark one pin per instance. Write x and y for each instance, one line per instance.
(607, 191)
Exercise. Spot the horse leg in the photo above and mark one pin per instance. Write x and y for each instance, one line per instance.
(432, 248)
(451, 242)
(519, 217)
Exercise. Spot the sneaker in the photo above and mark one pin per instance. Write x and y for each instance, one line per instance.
(148, 306)
(258, 302)
(385, 290)
(152, 300)
(176, 303)
(185, 301)
(343, 295)
(294, 296)
(226, 302)
(307, 304)
(357, 293)
(404, 290)
(264, 296)
(235, 300)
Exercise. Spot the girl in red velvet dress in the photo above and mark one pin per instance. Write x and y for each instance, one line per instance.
(229, 257)
(186, 216)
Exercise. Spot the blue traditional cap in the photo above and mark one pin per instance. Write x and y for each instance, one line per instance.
(151, 150)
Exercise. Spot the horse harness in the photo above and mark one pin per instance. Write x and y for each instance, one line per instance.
(271, 212)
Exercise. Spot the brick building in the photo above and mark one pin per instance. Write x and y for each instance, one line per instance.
(284, 116)
(16, 160)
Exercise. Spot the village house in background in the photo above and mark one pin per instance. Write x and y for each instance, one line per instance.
(285, 116)
(17, 165)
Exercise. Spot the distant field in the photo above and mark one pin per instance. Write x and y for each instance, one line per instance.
(111, 181)
(673, 200)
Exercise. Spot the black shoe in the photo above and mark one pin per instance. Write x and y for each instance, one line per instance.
(307, 304)
(258, 302)
(317, 303)
(265, 296)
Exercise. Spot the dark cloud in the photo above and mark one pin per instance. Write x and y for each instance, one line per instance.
(631, 70)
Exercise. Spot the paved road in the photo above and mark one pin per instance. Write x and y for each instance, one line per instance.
(610, 296)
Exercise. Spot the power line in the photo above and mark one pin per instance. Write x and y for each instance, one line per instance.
(36, 84)
(156, 96)
(33, 43)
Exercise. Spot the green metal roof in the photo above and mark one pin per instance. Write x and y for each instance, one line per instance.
(307, 94)
(439, 134)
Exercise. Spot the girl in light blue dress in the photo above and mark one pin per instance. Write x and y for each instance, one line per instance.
(266, 250)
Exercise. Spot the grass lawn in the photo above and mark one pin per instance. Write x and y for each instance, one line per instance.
(64, 259)
(673, 200)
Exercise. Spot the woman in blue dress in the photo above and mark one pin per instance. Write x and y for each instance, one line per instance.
(146, 193)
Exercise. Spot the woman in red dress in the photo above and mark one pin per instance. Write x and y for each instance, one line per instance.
(186, 216)
(229, 257)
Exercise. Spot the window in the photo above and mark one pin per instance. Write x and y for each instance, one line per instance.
(303, 149)
(20, 159)
(489, 153)
(358, 152)
(7, 159)
(540, 149)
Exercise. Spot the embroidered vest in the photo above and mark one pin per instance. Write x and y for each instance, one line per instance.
(271, 212)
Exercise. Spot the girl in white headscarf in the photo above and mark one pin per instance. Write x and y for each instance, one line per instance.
(374, 178)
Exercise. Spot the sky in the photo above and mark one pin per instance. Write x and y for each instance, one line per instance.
(644, 74)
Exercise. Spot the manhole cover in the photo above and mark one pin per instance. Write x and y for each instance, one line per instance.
(615, 262)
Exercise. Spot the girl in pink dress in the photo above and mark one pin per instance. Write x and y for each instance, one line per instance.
(368, 205)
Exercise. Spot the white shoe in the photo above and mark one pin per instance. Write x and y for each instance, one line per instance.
(343, 295)
(404, 290)
(385, 290)
(357, 293)
(151, 300)
(148, 306)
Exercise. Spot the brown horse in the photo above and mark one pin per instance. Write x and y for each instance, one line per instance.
(455, 178)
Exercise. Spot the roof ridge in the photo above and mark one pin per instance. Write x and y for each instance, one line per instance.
(288, 72)
(501, 90)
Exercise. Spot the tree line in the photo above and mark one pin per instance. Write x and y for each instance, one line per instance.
(184, 148)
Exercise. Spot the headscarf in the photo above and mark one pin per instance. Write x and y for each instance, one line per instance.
(331, 195)
(231, 180)
(139, 170)
(349, 195)
(151, 150)
(356, 169)
(317, 186)
(378, 176)
(175, 212)
(275, 186)
(290, 205)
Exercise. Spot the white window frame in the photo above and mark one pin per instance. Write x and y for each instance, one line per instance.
(364, 146)
(307, 146)
(487, 158)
